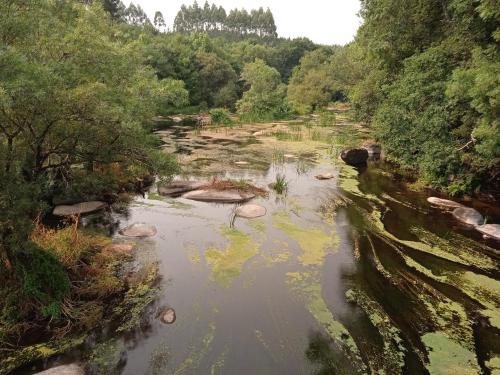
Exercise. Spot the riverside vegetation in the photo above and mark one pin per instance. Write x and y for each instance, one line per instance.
(88, 90)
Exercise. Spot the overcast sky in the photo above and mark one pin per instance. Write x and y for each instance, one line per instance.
(322, 21)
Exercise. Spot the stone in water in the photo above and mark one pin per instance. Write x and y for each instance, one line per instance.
(79, 208)
(490, 230)
(139, 230)
(468, 216)
(444, 203)
(250, 211)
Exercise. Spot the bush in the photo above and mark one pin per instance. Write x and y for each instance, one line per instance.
(221, 116)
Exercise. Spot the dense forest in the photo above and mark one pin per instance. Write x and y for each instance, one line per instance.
(82, 81)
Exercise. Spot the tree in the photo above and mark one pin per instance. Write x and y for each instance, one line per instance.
(265, 97)
(159, 21)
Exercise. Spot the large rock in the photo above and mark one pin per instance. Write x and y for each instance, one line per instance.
(444, 203)
(177, 188)
(468, 216)
(490, 230)
(250, 211)
(79, 208)
(168, 316)
(354, 156)
(72, 369)
(327, 176)
(139, 230)
(218, 196)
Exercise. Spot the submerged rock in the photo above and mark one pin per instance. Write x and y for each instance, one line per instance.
(490, 230)
(168, 316)
(72, 369)
(327, 176)
(139, 230)
(444, 203)
(120, 248)
(218, 196)
(79, 208)
(250, 211)
(177, 188)
(355, 156)
(468, 216)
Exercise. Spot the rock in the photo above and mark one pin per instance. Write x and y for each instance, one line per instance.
(120, 248)
(139, 230)
(373, 149)
(444, 203)
(168, 316)
(250, 211)
(177, 119)
(218, 196)
(490, 230)
(355, 156)
(177, 188)
(79, 208)
(290, 156)
(241, 163)
(327, 176)
(468, 216)
(72, 369)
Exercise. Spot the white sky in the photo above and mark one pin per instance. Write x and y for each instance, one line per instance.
(322, 21)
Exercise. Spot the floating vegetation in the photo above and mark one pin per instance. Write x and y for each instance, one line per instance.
(313, 242)
(227, 263)
(329, 207)
(392, 359)
(219, 363)
(192, 361)
(159, 359)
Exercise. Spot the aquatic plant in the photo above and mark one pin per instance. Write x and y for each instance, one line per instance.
(288, 136)
(221, 116)
(278, 156)
(281, 184)
(240, 185)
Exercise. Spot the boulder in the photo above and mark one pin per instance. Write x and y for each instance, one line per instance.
(327, 176)
(72, 369)
(468, 216)
(218, 196)
(139, 230)
(79, 208)
(490, 230)
(444, 203)
(177, 188)
(250, 211)
(354, 156)
(168, 316)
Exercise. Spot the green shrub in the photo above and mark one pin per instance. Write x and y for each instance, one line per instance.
(221, 116)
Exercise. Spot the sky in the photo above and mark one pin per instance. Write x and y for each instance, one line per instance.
(322, 21)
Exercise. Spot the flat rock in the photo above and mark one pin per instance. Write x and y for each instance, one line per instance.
(72, 369)
(139, 230)
(79, 208)
(490, 230)
(168, 316)
(327, 176)
(218, 196)
(241, 163)
(354, 156)
(120, 248)
(468, 216)
(177, 188)
(290, 156)
(444, 203)
(250, 211)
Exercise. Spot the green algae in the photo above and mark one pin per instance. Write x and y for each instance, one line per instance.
(219, 363)
(105, 358)
(392, 360)
(313, 242)
(447, 357)
(348, 181)
(159, 359)
(29, 354)
(192, 361)
(227, 263)
(258, 224)
(493, 364)
(308, 287)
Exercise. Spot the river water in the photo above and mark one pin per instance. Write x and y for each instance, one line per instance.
(353, 275)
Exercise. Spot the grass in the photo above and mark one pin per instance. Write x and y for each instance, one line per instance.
(282, 135)
(278, 156)
(281, 184)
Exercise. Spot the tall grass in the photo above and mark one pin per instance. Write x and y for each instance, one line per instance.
(281, 184)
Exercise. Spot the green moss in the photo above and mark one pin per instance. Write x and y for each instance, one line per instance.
(493, 364)
(227, 263)
(313, 242)
(447, 357)
(105, 358)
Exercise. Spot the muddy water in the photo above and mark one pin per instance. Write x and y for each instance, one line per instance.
(353, 275)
